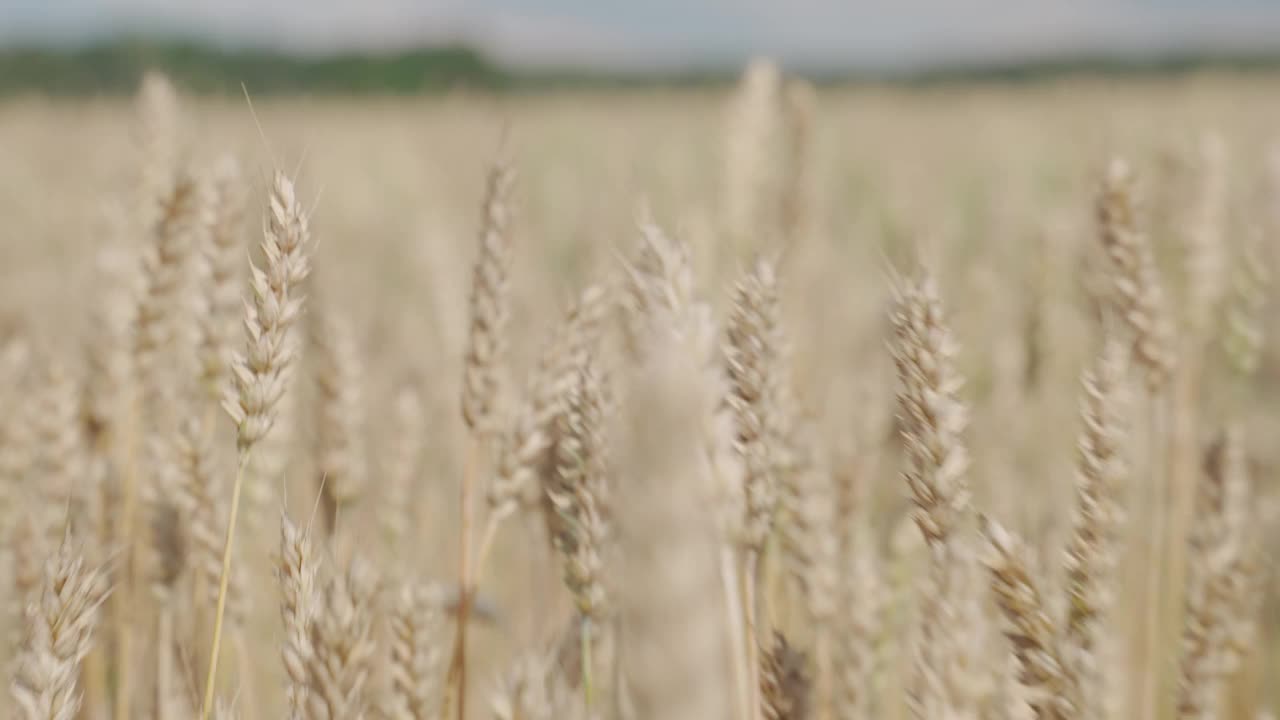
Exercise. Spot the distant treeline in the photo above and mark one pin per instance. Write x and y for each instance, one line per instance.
(114, 68)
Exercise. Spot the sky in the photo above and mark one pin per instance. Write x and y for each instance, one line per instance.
(653, 34)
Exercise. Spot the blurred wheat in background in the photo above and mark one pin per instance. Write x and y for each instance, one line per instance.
(786, 402)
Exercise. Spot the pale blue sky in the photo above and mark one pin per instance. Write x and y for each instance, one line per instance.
(653, 33)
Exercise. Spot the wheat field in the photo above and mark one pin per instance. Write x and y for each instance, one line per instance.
(776, 402)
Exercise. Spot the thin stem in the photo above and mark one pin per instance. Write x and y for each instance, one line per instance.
(123, 595)
(1154, 601)
(753, 636)
(619, 689)
(486, 547)
(164, 661)
(458, 665)
(223, 581)
(1181, 473)
(734, 617)
(95, 666)
(588, 695)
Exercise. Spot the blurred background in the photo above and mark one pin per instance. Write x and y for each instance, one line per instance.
(854, 133)
(83, 46)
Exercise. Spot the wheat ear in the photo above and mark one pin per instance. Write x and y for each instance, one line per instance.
(262, 374)
(342, 647)
(1216, 578)
(752, 354)
(480, 385)
(1031, 632)
(416, 656)
(296, 573)
(933, 419)
(1090, 554)
(1142, 305)
(784, 682)
(59, 633)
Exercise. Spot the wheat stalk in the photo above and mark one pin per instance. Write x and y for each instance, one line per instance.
(262, 373)
(480, 388)
(1141, 303)
(752, 360)
(1090, 554)
(933, 418)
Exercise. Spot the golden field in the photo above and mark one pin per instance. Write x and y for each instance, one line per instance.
(851, 197)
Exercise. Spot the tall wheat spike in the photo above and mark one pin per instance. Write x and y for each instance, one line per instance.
(753, 362)
(933, 418)
(1141, 297)
(261, 374)
(486, 343)
(1141, 303)
(487, 337)
(1091, 552)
